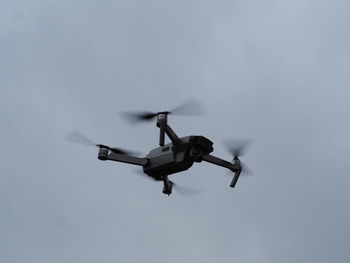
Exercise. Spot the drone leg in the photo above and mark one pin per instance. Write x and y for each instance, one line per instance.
(168, 185)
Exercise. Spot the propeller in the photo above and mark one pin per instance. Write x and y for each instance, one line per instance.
(78, 137)
(237, 148)
(183, 190)
(190, 107)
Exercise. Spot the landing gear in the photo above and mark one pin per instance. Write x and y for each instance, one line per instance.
(168, 185)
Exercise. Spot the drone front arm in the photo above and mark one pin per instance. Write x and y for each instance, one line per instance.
(122, 158)
(236, 168)
(215, 160)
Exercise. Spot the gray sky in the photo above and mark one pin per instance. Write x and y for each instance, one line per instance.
(273, 71)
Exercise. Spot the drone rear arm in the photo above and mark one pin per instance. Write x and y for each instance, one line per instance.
(236, 168)
(103, 155)
(162, 123)
(172, 135)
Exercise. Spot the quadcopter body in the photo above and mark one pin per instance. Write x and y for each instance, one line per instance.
(173, 158)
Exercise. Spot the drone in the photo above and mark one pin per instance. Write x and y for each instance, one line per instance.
(174, 157)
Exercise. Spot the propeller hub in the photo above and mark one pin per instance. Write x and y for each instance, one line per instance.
(236, 161)
(102, 146)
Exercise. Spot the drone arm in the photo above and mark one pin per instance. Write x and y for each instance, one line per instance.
(164, 128)
(125, 159)
(233, 167)
(215, 160)
(172, 135)
(161, 135)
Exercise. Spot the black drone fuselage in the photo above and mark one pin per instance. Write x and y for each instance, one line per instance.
(173, 158)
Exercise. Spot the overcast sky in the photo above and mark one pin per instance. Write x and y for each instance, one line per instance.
(276, 72)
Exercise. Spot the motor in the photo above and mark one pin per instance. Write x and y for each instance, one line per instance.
(102, 154)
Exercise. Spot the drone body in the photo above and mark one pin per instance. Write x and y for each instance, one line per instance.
(171, 158)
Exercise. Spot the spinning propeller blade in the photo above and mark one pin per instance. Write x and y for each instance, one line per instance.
(78, 137)
(183, 190)
(136, 117)
(246, 171)
(237, 148)
(190, 107)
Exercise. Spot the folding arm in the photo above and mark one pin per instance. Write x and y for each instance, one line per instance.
(236, 168)
(103, 155)
(162, 120)
(165, 128)
(162, 134)
(172, 135)
(215, 160)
